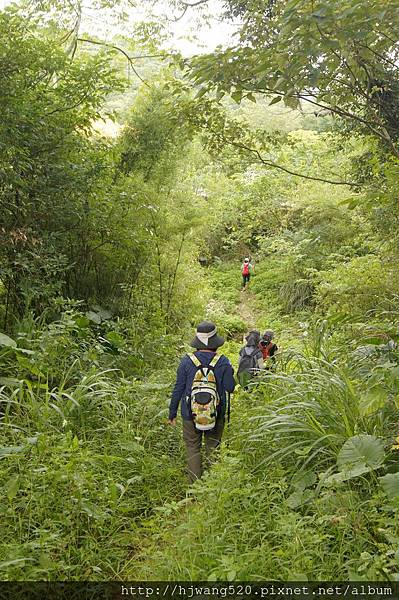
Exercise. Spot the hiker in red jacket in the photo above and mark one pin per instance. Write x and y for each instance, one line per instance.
(268, 348)
(246, 269)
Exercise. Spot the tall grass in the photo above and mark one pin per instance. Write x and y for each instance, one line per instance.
(85, 457)
(266, 510)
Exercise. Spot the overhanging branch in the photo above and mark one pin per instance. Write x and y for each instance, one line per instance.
(129, 58)
(274, 165)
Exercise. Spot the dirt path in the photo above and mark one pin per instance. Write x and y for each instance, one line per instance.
(247, 310)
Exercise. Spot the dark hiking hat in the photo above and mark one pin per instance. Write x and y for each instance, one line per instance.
(253, 338)
(268, 335)
(206, 336)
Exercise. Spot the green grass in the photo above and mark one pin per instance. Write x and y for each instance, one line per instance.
(77, 485)
(92, 478)
(239, 524)
(263, 513)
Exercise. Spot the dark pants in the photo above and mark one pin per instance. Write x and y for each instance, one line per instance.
(245, 279)
(193, 440)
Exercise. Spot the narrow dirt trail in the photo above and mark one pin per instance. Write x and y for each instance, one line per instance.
(247, 310)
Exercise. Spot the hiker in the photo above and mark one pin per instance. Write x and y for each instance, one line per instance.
(203, 384)
(268, 349)
(251, 360)
(246, 269)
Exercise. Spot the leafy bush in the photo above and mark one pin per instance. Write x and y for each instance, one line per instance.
(82, 464)
(231, 327)
(254, 520)
(366, 283)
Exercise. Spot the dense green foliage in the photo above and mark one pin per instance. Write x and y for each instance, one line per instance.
(111, 248)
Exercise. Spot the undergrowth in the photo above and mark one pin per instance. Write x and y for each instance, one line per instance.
(93, 480)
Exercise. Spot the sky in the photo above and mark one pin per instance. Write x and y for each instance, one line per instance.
(218, 33)
(190, 34)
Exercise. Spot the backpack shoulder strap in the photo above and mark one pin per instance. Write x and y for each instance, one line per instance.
(214, 361)
(195, 360)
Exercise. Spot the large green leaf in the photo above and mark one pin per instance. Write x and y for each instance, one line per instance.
(104, 314)
(361, 451)
(303, 479)
(299, 498)
(7, 341)
(372, 401)
(82, 321)
(347, 474)
(94, 317)
(390, 485)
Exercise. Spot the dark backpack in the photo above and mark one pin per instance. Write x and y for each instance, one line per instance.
(248, 362)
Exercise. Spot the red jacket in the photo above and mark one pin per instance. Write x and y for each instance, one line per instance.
(268, 350)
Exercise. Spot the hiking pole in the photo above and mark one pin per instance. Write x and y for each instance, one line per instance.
(228, 408)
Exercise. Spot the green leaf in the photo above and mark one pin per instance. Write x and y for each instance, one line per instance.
(237, 96)
(92, 511)
(132, 447)
(9, 381)
(26, 351)
(11, 450)
(390, 485)
(291, 102)
(27, 364)
(372, 401)
(361, 451)
(82, 322)
(115, 338)
(299, 498)
(281, 81)
(94, 317)
(14, 562)
(347, 474)
(12, 487)
(7, 341)
(201, 92)
(275, 100)
(103, 312)
(303, 479)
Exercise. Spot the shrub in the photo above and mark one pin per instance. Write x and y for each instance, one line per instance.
(366, 283)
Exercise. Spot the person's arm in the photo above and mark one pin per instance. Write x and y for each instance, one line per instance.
(261, 364)
(178, 391)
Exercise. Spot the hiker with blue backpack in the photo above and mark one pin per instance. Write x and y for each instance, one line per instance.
(251, 359)
(203, 384)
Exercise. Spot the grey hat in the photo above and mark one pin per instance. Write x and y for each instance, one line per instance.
(207, 337)
(268, 335)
